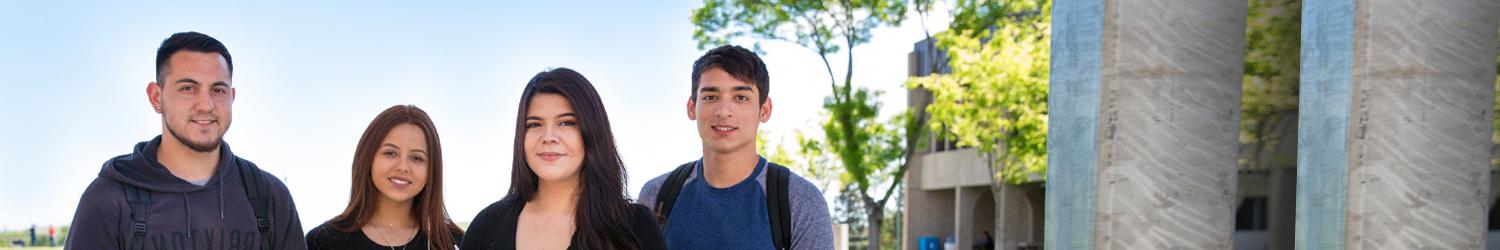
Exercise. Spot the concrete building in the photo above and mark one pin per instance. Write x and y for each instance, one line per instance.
(948, 191)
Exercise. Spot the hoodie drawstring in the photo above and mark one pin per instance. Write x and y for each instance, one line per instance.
(187, 212)
(221, 194)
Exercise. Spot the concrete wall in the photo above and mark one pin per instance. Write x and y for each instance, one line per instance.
(1395, 151)
(1160, 135)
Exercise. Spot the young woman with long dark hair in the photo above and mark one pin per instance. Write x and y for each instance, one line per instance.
(567, 181)
(396, 196)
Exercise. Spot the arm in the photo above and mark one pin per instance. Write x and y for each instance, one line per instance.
(647, 196)
(811, 226)
(284, 220)
(96, 222)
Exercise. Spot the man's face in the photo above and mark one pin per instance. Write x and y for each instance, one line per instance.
(728, 112)
(194, 100)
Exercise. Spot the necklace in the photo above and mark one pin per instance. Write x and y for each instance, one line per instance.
(383, 238)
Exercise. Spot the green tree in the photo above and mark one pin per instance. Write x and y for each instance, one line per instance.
(1268, 113)
(995, 98)
(826, 27)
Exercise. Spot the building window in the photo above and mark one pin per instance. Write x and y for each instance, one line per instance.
(1251, 215)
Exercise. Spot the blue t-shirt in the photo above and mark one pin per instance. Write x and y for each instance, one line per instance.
(706, 217)
(735, 217)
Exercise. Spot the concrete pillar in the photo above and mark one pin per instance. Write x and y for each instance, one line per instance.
(1396, 102)
(1144, 123)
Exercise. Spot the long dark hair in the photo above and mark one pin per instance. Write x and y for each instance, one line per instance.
(602, 220)
(427, 206)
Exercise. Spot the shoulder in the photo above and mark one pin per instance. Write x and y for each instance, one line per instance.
(800, 188)
(98, 217)
(495, 214)
(104, 192)
(491, 223)
(648, 192)
(325, 236)
(807, 201)
(271, 180)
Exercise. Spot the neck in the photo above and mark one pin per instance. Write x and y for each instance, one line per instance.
(723, 170)
(556, 197)
(185, 163)
(393, 214)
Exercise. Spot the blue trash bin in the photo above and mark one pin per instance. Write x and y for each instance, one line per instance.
(929, 243)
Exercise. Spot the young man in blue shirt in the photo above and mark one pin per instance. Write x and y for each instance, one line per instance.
(732, 198)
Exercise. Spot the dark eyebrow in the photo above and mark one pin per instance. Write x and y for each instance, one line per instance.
(569, 114)
(221, 84)
(398, 147)
(188, 81)
(708, 89)
(743, 88)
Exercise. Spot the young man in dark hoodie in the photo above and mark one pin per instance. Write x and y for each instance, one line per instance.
(184, 189)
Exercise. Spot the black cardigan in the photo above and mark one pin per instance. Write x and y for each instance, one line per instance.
(495, 227)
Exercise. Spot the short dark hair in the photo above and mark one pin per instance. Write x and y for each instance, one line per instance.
(190, 41)
(739, 62)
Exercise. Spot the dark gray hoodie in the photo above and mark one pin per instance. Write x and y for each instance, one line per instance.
(181, 215)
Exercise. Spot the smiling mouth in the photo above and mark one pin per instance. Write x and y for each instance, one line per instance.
(723, 128)
(203, 121)
(550, 156)
(400, 182)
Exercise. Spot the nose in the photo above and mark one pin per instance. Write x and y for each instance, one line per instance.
(404, 167)
(203, 101)
(549, 135)
(722, 111)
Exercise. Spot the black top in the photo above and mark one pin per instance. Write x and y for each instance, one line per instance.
(325, 237)
(495, 227)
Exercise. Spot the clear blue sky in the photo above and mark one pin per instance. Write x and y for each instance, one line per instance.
(310, 76)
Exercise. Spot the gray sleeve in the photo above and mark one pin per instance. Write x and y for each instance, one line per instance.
(811, 226)
(647, 196)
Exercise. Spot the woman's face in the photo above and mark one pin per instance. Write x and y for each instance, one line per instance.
(400, 167)
(554, 144)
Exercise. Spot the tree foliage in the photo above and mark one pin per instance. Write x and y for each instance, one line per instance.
(995, 98)
(1272, 64)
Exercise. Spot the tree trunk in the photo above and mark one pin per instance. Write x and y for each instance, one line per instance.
(997, 192)
(874, 216)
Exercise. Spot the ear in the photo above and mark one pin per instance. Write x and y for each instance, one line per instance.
(690, 105)
(765, 110)
(232, 92)
(153, 93)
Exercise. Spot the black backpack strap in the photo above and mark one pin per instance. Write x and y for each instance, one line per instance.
(779, 205)
(667, 195)
(138, 200)
(256, 191)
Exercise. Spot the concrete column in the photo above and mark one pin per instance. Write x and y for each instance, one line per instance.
(1143, 140)
(1396, 102)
